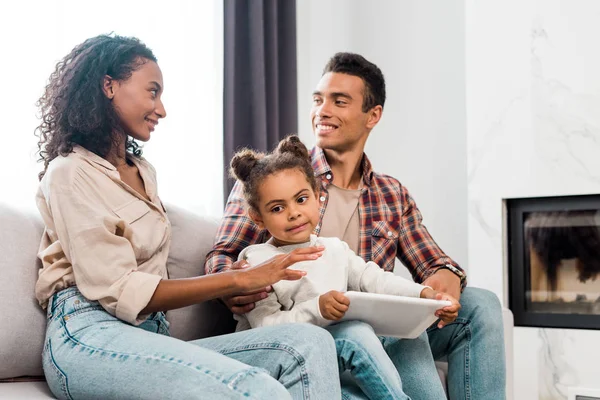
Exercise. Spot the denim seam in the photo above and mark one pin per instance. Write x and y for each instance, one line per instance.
(467, 362)
(357, 346)
(278, 346)
(62, 299)
(84, 310)
(467, 329)
(64, 384)
(171, 360)
(457, 321)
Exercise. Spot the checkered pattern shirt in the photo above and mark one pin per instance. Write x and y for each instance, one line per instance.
(390, 225)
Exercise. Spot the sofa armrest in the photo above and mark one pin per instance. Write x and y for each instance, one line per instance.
(507, 319)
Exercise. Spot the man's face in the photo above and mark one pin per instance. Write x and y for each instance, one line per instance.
(338, 120)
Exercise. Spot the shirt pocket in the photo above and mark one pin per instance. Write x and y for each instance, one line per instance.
(384, 243)
(144, 227)
(386, 229)
(132, 211)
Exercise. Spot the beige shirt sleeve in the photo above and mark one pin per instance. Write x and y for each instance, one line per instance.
(113, 248)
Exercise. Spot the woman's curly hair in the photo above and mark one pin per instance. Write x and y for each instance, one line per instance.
(74, 108)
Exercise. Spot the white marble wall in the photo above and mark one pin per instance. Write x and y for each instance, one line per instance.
(419, 46)
(533, 129)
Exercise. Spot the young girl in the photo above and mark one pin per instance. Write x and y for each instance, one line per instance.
(104, 252)
(280, 190)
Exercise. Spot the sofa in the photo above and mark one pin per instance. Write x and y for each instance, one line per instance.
(22, 334)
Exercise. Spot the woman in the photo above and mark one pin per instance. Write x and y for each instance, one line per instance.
(104, 281)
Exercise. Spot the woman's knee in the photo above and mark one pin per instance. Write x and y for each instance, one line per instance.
(306, 336)
(253, 383)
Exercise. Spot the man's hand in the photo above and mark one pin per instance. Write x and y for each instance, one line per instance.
(244, 302)
(444, 280)
(333, 305)
(446, 314)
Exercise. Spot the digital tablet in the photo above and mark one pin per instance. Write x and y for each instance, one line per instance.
(397, 316)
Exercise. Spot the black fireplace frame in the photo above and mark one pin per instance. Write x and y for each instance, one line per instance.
(519, 278)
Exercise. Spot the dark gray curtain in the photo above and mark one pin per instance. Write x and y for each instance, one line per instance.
(260, 84)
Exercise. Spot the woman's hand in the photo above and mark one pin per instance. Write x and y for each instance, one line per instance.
(256, 281)
(446, 314)
(333, 305)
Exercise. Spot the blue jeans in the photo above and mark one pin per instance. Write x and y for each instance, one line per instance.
(473, 345)
(360, 352)
(89, 354)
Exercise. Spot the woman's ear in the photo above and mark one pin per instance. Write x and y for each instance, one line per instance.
(108, 87)
(256, 218)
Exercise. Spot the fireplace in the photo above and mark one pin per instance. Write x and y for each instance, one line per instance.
(553, 248)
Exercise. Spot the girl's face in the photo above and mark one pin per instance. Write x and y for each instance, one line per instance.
(288, 207)
(137, 100)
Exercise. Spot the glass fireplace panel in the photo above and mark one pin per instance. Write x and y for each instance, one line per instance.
(553, 248)
(563, 256)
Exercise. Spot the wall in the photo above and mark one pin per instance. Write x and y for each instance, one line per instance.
(421, 139)
(533, 129)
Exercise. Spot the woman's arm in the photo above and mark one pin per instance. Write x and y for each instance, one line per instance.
(176, 293)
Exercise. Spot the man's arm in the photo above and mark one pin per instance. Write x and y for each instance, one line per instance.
(421, 254)
(236, 232)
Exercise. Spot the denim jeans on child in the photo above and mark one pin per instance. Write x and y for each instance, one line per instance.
(360, 352)
(89, 354)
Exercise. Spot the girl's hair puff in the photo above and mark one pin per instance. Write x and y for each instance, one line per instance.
(251, 168)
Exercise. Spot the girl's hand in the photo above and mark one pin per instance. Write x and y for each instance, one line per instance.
(446, 314)
(275, 269)
(333, 305)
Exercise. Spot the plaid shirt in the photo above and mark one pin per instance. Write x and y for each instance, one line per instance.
(390, 225)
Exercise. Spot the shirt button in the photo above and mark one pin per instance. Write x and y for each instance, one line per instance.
(390, 234)
(328, 176)
(322, 198)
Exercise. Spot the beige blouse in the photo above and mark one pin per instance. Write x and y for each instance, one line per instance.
(101, 235)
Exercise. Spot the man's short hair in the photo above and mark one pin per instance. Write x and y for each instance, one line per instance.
(356, 65)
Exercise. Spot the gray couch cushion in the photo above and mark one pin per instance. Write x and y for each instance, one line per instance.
(23, 321)
(193, 238)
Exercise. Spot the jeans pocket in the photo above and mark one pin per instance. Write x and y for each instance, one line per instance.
(77, 322)
(156, 323)
(55, 377)
(163, 326)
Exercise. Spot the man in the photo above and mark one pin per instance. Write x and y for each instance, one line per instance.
(380, 221)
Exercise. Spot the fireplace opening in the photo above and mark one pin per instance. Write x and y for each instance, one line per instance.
(554, 261)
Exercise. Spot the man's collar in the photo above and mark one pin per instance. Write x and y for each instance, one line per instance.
(321, 166)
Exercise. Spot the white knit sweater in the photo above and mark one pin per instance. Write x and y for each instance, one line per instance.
(339, 268)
